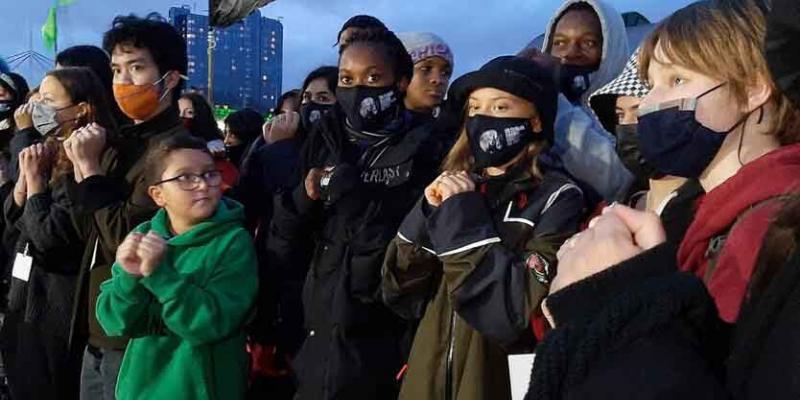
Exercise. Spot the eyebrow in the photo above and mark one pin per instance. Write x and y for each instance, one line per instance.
(494, 98)
(129, 62)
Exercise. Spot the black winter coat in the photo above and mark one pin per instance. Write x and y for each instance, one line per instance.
(351, 349)
(641, 330)
(36, 333)
(117, 202)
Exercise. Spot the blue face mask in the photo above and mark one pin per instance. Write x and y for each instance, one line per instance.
(674, 142)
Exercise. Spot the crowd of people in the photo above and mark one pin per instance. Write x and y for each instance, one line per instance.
(627, 213)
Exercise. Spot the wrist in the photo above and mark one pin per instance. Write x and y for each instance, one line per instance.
(89, 168)
(36, 185)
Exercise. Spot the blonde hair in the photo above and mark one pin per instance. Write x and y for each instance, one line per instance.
(723, 39)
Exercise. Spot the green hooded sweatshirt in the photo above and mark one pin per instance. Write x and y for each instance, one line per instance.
(186, 319)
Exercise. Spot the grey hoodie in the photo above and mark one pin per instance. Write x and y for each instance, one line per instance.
(582, 146)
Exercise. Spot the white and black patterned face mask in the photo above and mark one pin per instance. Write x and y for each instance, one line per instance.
(369, 108)
(312, 112)
(496, 141)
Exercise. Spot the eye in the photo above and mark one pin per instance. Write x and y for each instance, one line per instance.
(373, 78)
(620, 116)
(184, 178)
(677, 81)
(323, 98)
(558, 43)
(346, 80)
(425, 68)
(501, 107)
(590, 44)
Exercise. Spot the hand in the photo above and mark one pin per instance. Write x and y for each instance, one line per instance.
(265, 129)
(21, 190)
(69, 146)
(126, 254)
(23, 116)
(284, 126)
(312, 182)
(151, 251)
(35, 161)
(447, 185)
(618, 235)
(87, 145)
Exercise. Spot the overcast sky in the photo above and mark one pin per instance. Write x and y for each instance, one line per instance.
(477, 30)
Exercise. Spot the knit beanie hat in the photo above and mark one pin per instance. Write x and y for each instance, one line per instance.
(424, 45)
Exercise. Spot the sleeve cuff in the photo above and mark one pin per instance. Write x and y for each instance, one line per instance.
(414, 228)
(38, 203)
(165, 283)
(129, 286)
(583, 299)
(96, 192)
(460, 224)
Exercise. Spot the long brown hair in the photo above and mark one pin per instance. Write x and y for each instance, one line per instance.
(723, 39)
(81, 85)
(460, 156)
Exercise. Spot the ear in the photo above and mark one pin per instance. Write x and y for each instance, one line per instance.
(403, 84)
(157, 194)
(83, 110)
(172, 80)
(758, 94)
(536, 124)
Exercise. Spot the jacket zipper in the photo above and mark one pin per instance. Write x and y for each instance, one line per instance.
(448, 379)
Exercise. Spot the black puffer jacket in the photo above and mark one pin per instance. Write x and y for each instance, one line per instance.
(351, 350)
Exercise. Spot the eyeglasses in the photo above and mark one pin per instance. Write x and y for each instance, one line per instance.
(192, 181)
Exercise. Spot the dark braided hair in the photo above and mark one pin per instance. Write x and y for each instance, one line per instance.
(392, 48)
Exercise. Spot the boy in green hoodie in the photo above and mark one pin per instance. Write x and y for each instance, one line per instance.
(183, 285)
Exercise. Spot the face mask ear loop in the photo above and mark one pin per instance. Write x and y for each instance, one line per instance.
(741, 142)
(162, 82)
(744, 129)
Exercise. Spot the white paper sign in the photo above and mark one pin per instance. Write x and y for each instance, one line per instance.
(519, 368)
(22, 267)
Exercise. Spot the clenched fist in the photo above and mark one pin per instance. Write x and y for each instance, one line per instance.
(140, 254)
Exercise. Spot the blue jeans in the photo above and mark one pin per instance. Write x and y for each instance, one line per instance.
(99, 373)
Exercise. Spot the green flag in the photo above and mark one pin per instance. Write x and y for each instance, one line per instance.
(50, 29)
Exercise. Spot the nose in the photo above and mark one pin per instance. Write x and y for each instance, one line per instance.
(655, 96)
(571, 54)
(122, 76)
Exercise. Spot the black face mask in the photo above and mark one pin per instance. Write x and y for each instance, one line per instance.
(631, 156)
(575, 81)
(675, 142)
(496, 141)
(6, 109)
(312, 112)
(369, 109)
